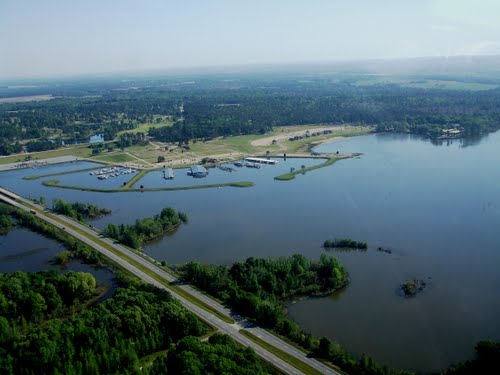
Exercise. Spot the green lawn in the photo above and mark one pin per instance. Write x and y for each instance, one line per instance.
(116, 158)
(143, 128)
(81, 151)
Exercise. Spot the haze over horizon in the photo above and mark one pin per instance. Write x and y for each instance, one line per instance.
(61, 38)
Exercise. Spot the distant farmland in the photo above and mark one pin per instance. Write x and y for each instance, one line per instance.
(25, 99)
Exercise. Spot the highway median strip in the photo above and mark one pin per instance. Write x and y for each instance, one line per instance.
(288, 358)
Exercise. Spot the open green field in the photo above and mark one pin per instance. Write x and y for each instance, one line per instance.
(79, 151)
(143, 128)
(115, 158)
(237, 144)
(426, 83)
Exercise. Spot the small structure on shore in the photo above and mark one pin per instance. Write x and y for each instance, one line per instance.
(197, 171)
(168, 174)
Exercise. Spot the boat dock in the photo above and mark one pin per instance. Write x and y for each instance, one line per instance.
(261, 160)
(168, 174)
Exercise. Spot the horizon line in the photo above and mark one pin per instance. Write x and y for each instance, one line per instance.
(246, 67)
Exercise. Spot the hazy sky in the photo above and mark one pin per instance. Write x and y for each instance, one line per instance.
(66, 37)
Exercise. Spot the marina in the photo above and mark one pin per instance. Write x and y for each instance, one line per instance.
(105, 173)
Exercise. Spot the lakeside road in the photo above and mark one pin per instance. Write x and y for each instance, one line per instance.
(93, 238)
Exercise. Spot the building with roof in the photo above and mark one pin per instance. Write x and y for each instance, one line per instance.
(198, 171)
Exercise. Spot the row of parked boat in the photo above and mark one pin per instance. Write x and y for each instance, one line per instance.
(247, 164)
(105, 173)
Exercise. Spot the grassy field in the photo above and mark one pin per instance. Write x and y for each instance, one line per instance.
(79, 151)
(115, 158)
(143, 128)
(243, 144)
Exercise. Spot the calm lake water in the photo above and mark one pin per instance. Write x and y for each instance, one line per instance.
(437, 207)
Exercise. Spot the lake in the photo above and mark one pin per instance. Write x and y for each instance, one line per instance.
(23, 250)
(436, 207)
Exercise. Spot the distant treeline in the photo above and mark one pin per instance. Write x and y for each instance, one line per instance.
(144, 230)
(345, 243)
(390, 107)
(77, 210)
(213, 108)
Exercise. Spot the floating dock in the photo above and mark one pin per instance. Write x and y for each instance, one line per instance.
(197, 171)
(168, 174)
(261, 160)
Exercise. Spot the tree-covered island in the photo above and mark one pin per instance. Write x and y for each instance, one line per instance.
(146, 229)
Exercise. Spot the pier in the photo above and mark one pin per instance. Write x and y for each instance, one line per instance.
(261, 160)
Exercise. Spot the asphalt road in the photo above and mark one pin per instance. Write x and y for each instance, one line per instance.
(227, 328)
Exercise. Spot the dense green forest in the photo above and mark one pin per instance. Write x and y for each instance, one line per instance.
(144, 230)
(77, 210)
(220, 355)
(212, 106)
(390, 107)
(258, 288)
(47, 328)
(76, 118)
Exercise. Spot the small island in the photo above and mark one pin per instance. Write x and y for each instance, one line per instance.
(412, 287)
(345, 243)
(78, 211)
(146, 229)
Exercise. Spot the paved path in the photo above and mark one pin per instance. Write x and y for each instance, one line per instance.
(92, 238)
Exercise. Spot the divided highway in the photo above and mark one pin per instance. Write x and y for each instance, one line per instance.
(93, 239)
